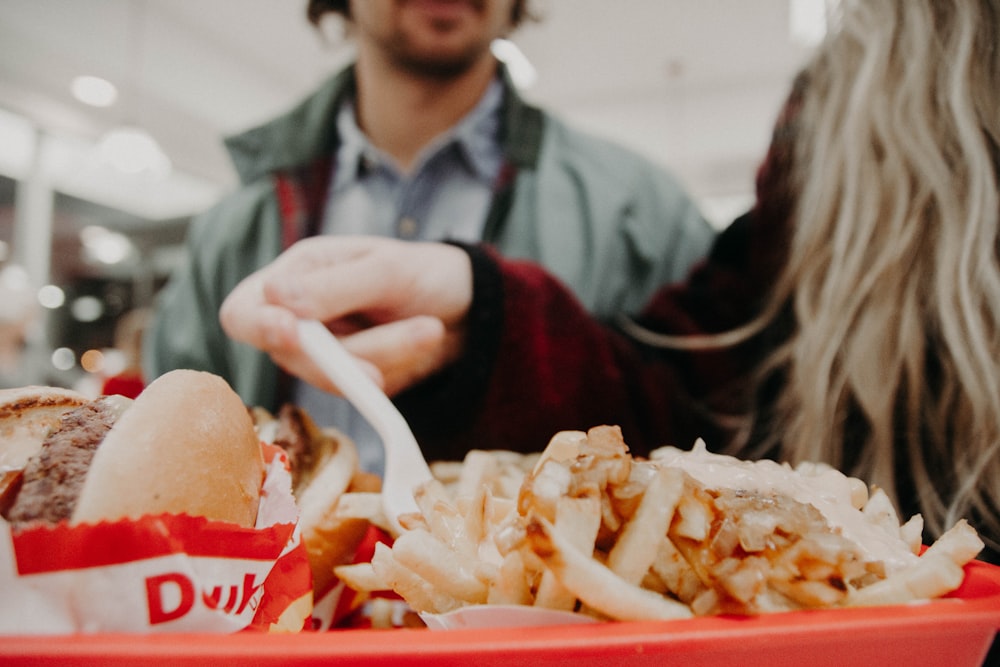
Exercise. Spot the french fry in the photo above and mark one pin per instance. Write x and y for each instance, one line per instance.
(637, 545)
(675, 572)
(596, 585)
(543, 489)
(960, 543)
(478, 469)
(436, 563)
(930, 577)
(361, 577)
(511, 585)
(502, 472)
(446, 472)
(694, 519)
(420, 594)
(912, 532)
(577, 523)
(563, 446)
(361, 505)
(879, 511)
(438, 510)
(475, 527)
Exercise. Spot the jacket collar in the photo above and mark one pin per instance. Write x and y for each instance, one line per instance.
(307, 132)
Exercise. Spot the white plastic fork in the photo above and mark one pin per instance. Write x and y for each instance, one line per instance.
(405, 466)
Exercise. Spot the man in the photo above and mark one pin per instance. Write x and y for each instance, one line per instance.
(423, 137)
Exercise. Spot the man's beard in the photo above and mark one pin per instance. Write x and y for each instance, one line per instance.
(439, 69)
(434, 66)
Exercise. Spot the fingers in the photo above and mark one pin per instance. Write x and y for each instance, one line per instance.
(329, 278)
(404, 352)
(246, 316)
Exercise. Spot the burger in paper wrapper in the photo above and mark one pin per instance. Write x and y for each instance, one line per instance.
(165, 514)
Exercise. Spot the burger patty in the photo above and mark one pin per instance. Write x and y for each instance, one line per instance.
(54, 477)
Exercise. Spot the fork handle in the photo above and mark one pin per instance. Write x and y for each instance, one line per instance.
(403, 458)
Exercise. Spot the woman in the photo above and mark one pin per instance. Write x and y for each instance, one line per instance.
(852, 317)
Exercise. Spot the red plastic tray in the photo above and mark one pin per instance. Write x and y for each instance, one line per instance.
(954, 631)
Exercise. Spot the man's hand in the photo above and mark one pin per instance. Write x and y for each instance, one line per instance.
(398, 306)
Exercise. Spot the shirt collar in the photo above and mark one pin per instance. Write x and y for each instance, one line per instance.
(354, 150)
(478, 134)
(476, 137)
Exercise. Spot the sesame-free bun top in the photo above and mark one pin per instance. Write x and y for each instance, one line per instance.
(187, 445)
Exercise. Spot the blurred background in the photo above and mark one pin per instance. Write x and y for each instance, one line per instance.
(112, 114)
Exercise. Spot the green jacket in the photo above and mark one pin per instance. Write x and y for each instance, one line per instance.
(606, 221)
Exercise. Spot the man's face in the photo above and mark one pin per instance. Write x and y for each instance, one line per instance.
(431, 37)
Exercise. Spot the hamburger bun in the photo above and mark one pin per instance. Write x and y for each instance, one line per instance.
(186, 445)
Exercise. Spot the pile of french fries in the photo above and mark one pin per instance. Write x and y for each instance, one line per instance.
(585, 527)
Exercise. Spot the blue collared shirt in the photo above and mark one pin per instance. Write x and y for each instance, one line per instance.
(447, 194)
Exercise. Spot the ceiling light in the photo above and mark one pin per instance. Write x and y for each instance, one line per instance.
(94, 90)
(14, 278)
(105, 246)
(86, 308)
(63, 359)
(17, 305)
(92, 361)
(522, 72)
(51, 296)
(133, 150)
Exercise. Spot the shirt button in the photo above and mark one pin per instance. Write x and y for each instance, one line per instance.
(407, 228)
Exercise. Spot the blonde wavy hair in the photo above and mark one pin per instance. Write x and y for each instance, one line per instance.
(894, 271)
(893, 276)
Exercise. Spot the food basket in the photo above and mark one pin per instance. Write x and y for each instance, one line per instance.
(955, 631)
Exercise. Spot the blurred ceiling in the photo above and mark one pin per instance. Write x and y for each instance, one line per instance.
(695, 84)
